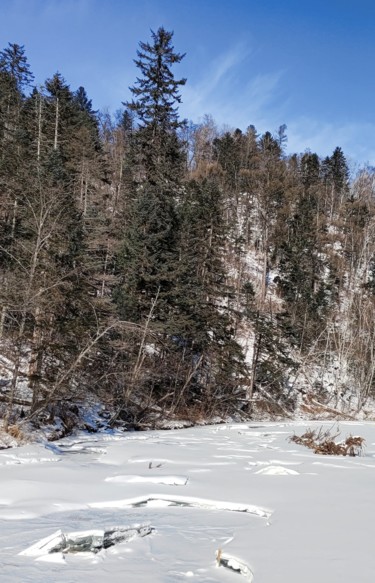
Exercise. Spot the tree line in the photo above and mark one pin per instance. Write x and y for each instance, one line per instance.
(171, 269)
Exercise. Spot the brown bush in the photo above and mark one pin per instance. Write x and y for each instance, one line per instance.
(324, 442)
(15, 432)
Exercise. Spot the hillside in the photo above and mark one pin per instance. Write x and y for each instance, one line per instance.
(163, 271)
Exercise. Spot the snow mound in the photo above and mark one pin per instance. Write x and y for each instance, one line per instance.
(184, 501)
(277, 471)
(167, 480)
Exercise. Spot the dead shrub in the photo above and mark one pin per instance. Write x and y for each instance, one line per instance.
(15, 432)
(324, 442)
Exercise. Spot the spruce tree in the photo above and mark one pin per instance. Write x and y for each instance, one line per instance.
(155, 105)
(204, 297)
(15, 76)
(49, 314)
(149, 260)
(150, 252)
(14, 63)
(335, 174)
(304, 279)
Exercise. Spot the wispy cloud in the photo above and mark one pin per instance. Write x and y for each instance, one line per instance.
(322, 137)
(262, 101)
(230, 98)
(199, 95)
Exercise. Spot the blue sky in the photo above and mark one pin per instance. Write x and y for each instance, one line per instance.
(307, 64)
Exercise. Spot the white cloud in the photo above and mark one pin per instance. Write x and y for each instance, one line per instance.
(263, 102)
(198, 97)
(231, 98)
(357, 140)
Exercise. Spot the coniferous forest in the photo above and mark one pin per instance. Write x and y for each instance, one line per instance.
(173, 270)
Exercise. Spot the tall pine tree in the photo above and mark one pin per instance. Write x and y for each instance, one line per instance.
(148, 263)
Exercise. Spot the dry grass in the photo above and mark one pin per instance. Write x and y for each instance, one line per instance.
(15, 431)
(324, 442)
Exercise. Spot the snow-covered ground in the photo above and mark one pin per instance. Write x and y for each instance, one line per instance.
(240, 495)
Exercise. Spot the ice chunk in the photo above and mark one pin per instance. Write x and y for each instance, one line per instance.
(85, 541)
(50, 544)
(234, 564)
